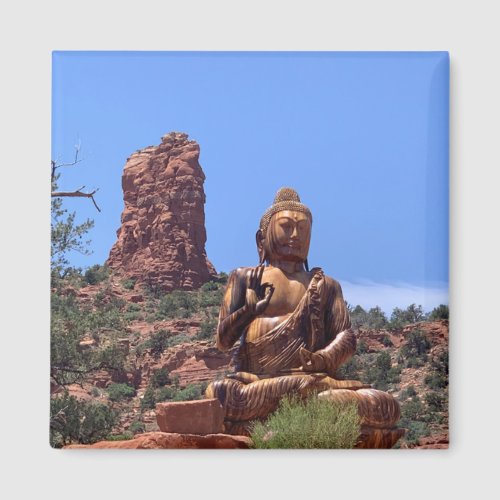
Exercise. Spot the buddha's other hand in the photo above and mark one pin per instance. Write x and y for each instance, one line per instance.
(311, 361)
(257, 295)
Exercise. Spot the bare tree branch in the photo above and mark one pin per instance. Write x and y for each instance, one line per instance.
(76, 194)
(54, 165)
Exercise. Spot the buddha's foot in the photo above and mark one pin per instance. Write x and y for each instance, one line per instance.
(373, 437)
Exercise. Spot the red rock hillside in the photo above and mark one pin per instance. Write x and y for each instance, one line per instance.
(161, 241)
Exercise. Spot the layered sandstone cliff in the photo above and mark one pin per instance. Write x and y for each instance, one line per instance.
(162, 236)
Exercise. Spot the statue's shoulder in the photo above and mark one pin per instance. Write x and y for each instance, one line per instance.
(239, 274)
(330, 284)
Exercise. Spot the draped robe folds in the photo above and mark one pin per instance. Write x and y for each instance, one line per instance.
(270, 366)
(318, 319)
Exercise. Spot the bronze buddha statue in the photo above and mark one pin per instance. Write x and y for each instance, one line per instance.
(293, 326)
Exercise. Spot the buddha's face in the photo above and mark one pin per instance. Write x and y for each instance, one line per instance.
(288, 236)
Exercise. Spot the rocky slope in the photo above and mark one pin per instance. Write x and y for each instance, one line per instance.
(162, 236)
(169, 353)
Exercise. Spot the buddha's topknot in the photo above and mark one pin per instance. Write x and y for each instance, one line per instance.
(286, 199)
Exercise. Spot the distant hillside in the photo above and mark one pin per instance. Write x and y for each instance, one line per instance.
(119, 347)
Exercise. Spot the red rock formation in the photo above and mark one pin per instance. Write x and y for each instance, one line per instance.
(164, 440)
(162, 237)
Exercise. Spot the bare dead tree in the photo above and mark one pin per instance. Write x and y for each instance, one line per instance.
(78, 193)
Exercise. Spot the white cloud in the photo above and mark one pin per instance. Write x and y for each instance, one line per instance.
(391, 295)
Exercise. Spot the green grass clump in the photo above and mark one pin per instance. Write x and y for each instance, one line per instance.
(308, 424)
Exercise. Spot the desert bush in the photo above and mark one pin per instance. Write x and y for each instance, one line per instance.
(376, 318)
(207, 329)
(414, 430)
(359, 317)
(77, 421)
(435, 401)
(134, 308)
(159, 378)
(166, 393)
(436, 380)
(414, 351)
(413, 409)
(381, 373)
(158, 342)
(222, 278)
(119, 392)
(441, 364)
(402, 317)
(148, 401)
(96, 274)
(308, 424)
(408, 392)
(190, 392)
(362, 347)
(137, 427)
(125, 436)
(386, 341)
(177, 304)
(349, 370)
(128, 283)
(440, 312)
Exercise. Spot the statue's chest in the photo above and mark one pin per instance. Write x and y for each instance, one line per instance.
(287, 293)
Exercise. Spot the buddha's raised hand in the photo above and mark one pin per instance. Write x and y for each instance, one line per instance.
(258, 294)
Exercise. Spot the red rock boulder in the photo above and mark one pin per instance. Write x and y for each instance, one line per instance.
(205, 416)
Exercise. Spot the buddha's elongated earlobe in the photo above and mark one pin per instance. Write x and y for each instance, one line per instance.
(259, 238)
(306, 265)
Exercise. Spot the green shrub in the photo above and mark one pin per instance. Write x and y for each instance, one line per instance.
(128, 283)
(402, 317)
(126, 436)
(166, 393)
(207, 329)
(408, 392)
(158, 343)
(440, 312)
(190, 392)
(119, 392)
(310, 423)
(414, 351)
(415, 430)
(436, 401)
(222, 278)
(349, 370)
(95, 392)
(209, 287)
(137, 427)
(386, 341)
(177, 304)
(359, 317)
(77, 421)
(148, 401)
(96, 274)
(159, 378)
(436, 380)
(134, 308)
(413, 409)
(362, 347)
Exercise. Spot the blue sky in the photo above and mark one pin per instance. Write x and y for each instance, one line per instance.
(363, 138)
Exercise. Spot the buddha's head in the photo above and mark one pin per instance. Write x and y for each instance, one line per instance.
(285, 229)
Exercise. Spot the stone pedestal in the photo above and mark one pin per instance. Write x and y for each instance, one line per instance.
(201, 417)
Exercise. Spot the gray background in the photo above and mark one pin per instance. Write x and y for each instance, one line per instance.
(31, 30)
